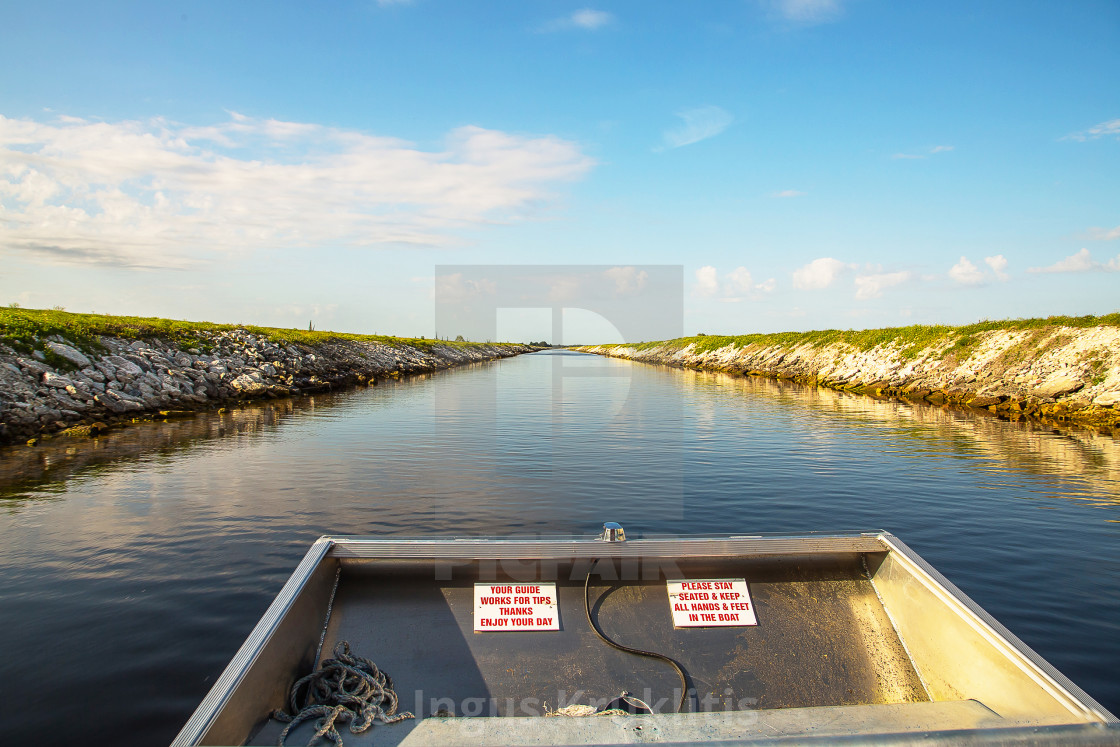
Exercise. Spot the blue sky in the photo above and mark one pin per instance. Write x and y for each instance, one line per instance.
(810, 163)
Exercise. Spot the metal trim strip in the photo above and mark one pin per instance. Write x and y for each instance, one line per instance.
(201, 720)
(1067, 735)
(1076, 700)
(514, 549)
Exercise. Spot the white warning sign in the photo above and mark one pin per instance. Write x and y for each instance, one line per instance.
(500, 607)
(708, 602)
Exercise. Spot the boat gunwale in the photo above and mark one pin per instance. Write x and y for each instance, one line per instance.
(1046, 675)
(211, 706)
(513, 548)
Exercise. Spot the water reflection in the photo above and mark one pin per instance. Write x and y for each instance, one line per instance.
(156, 548)
(921, 430)
(592, 405)
(54, 460)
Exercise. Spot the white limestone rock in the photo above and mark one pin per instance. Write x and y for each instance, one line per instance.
(1058, 385)
(1108, 399)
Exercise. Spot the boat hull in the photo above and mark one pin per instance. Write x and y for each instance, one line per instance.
(855, 635)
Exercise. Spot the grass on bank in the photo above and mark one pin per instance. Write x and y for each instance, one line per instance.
(22, 329)
(909, 340)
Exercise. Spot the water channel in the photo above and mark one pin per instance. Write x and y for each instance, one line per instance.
(132, 566)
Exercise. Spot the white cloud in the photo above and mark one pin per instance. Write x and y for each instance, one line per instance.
(627, 280)
(585, 18)
(707, 281)
(789, 193)
(941, 149)
(808, 11)
(734, 286)
(998, 263)
(1103, 234)
(1104, 129)
(160, 194)
(699, 124)
(739, 282)
(591, 19)
(1081, 262)
(564, 289)
(966, 273)
(820, 273)
(453, 288)
(872, 286)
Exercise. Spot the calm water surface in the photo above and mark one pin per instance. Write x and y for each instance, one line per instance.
(132, 567)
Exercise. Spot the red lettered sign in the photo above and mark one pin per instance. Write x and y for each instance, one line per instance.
(506, 607)
(710, 602)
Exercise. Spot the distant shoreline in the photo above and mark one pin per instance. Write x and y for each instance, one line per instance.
(1063, 370)
(81, 374)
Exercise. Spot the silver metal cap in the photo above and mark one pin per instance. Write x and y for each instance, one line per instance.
(613, 532)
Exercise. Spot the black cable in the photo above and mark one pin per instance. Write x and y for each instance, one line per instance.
(628, 649)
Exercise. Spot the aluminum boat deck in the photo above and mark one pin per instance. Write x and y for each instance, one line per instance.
(856, 638)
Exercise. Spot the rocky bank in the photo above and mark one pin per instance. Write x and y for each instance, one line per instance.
(59, 387)
(1056, 373)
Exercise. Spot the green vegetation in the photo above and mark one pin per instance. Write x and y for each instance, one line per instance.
(909, 340)
(22, 329)
(1098, 374)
